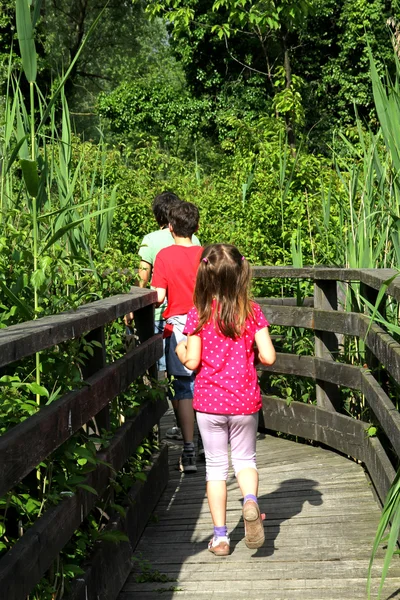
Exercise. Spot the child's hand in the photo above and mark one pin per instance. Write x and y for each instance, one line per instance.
(180, 351)
(128, 319)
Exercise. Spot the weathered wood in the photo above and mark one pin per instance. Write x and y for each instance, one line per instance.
(144, 323)
(371, 277)
(93, 363)
(381, 344)
(313, 273)
(110, 565)
(315, 368)
(326, 343)
(320, 524)
(27, 444)
(316, 423)
(375, 278)
(311, 318)
(25, 339)
(379, 467)
(287, 301)
(337, 431)
(382, 407)
(23, 566)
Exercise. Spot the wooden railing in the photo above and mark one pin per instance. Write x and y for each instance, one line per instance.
(28, 443)
(322, 422)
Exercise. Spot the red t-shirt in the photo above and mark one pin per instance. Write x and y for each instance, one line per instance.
(175, 270)
(226, 380)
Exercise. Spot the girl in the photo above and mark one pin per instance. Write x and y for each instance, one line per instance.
(222, 328)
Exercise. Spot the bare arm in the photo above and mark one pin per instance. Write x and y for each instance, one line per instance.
(189, 352)
(266, 350)
(144, 273)
(161, 295)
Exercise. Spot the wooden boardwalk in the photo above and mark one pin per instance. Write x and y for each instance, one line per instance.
(321, 518)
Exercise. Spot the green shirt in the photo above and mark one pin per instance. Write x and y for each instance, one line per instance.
(154, 242)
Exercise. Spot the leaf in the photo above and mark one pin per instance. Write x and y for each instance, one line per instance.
(26, 310)
(25, 39)
(62, 230)
(113, 536)
(107, 220)
(85, 453)
(74, 569)
(31, 176)
(38, 389)
(88, 488)
(15, 152)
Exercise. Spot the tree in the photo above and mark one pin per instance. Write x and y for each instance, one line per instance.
(270, 28)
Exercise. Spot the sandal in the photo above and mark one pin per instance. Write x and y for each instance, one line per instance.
(253, 525)
(219, 546)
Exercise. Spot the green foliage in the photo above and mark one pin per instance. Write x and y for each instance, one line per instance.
(147, 106)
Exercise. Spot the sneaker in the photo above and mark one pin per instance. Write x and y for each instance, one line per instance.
(253, 525)
(174, 433)
(188, 462)
(200, 449)
(219, 545)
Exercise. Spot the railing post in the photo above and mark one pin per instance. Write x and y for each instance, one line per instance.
(144, 324)
(94, 363)
(326, 343)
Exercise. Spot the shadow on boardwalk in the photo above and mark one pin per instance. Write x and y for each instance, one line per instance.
(321, 519)
(305, 492)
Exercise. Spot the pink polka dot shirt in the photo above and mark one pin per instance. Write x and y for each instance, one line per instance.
(226, 380)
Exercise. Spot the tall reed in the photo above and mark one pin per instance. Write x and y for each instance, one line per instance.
(59, 203)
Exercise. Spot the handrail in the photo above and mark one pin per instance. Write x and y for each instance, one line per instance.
(29, 443)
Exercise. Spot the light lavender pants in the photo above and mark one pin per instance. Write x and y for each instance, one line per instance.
(219, 430)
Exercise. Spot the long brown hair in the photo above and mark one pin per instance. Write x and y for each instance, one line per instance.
(222, 289)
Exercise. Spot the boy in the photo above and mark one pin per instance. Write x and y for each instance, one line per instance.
(174, 277)
(152, 243)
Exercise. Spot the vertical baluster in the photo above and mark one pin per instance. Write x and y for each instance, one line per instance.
(326, 343)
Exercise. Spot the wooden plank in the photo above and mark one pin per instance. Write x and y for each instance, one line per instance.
(312, 422)
(385, 348)
(24, 565)
(320, 515)
(326, 344)
(376, 277)
(337, 431)
(383, 408)
(25, 339)
(286, 301)
(110, 565)
(27, 444)
(315, 368)
(93, 363)
(379, 467)
(313, 273)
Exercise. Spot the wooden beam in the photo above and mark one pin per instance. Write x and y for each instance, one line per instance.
(27, 561)
(375, 278)
(345, 434)
(25, 339)
(326, 343)
(383, 408)
(313, 273)
(111, 564)
(27, 444)
(315, 368)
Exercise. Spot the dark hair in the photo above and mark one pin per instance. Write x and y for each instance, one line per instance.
(184, 219)
(222, 290)
(161, 205)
